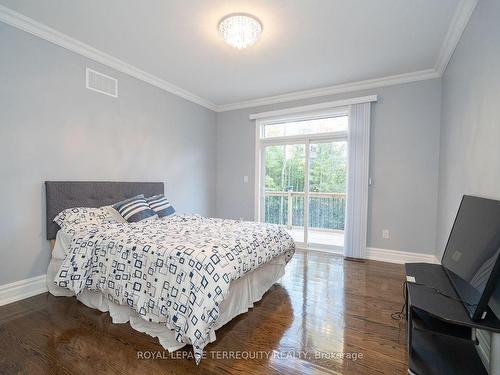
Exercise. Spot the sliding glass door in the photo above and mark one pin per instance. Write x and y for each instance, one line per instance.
(283, 187)
(302, 180)
(327, 193)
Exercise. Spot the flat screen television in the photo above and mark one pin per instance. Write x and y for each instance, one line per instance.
(471, 258)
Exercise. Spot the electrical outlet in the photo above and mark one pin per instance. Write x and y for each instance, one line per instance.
(385, 234)
(245, 179)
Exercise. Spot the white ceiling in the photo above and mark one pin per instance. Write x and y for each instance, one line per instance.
(306, 44)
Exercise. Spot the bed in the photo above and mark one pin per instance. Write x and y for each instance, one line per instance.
(178, 278)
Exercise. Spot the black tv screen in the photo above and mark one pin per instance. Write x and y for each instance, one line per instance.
(471, 258)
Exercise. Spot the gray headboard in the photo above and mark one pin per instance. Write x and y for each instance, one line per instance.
(66, 194)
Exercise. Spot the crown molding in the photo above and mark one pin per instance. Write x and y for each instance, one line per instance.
(459, 22)
(42, 31)
(457, 26)
(331, 90)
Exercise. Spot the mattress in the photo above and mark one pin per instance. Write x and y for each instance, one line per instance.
(243, 293)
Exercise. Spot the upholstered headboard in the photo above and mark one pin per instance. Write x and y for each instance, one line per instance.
(66, 194)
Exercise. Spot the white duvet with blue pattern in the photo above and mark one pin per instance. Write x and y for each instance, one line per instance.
(174, 271)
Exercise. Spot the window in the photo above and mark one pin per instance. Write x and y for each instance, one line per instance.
(302, 175)
(306, 126)
(304, 158)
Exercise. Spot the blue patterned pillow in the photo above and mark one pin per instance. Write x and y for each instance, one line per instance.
(135, 209)
(160, 205)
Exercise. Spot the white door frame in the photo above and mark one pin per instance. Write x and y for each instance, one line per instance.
(306, 140)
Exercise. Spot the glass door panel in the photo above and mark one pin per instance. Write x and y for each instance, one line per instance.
(327, 194)
(283, 187)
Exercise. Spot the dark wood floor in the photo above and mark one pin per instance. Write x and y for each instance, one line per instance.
(324, 307)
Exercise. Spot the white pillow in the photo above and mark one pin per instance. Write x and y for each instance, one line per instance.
(115, 215)
(87, 215)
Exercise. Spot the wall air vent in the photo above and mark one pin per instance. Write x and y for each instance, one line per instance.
(102, 83)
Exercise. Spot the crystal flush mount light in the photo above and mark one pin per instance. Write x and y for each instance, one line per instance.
(240, 30)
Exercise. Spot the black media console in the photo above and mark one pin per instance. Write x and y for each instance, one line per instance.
(439, 330)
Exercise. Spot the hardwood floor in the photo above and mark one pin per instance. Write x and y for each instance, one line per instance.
(324, 307)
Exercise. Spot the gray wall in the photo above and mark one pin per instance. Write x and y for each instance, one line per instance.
(52, 128)
(470, 124)
(404, 164)
(470, 129)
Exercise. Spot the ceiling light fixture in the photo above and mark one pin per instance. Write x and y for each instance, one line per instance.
(240, 30)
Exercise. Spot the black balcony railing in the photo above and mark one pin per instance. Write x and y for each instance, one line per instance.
(326, 210)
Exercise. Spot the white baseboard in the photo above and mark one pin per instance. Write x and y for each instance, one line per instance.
(382, 255)
(22, 289)
(396, 256)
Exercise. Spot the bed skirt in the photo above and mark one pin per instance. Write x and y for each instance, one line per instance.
(243, 293)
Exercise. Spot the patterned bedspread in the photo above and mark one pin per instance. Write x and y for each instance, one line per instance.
(174, 271)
